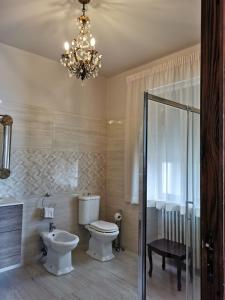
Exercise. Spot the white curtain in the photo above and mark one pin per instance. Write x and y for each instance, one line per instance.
(175, 78)
(171, 159)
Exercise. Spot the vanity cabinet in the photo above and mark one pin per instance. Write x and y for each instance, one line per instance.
(10, 236)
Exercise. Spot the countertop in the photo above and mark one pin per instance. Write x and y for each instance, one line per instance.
(9, 202)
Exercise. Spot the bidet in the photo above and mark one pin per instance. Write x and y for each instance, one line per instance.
(59, 245)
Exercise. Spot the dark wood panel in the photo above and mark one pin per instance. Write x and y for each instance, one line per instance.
(11, 217)
(212, 149)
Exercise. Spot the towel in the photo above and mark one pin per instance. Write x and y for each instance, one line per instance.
(48, 212)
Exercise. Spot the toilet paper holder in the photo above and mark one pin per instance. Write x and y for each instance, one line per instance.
(118, 216)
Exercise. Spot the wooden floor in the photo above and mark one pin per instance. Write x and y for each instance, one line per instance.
(90, 280)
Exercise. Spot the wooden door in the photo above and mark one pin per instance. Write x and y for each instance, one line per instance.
(212, 149)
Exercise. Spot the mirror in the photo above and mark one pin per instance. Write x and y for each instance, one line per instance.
(6, 122)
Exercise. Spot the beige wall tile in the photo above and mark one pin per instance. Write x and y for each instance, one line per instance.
(58, 143)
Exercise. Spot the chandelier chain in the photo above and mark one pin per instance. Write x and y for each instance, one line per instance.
(84, 9)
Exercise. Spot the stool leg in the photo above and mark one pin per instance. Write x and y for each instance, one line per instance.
(191, 267)
(179, 264)
(163, 263)
(150, 261)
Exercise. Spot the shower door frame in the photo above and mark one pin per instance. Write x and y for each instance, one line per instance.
(143, 181)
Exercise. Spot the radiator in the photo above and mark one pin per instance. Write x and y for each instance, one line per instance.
(172, 226)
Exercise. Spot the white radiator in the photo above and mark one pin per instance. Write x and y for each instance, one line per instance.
(172, 226)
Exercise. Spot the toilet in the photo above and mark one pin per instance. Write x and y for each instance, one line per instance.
(101, 233)
(59, 245)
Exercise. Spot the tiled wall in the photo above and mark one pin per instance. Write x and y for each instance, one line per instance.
(62, 154)
(116, 192)
(115, 186)
(58, 141)
(38, 171)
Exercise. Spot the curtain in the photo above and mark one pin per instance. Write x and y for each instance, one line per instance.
(173, 157)
(175, 78)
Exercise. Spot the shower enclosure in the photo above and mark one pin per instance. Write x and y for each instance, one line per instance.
(169, 222)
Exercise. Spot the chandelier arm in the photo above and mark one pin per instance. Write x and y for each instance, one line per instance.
(75, 55)
(92, 53)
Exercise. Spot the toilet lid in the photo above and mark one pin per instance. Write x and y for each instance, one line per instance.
(104, 226)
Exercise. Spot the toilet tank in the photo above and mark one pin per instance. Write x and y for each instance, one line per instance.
(88, 209)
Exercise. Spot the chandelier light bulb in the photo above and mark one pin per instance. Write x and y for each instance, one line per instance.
(92, 42)
(66, 46)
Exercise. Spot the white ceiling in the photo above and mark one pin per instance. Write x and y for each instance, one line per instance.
(128, 32)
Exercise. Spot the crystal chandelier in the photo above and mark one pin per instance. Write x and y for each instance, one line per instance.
(80, 58)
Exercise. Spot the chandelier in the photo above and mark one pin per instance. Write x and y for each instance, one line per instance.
(81, 58)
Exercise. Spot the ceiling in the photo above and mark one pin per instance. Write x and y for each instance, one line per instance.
(128, 32)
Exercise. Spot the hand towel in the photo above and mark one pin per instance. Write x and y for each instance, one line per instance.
(48, 212)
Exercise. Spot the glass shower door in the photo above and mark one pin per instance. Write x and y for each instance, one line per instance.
(166, 201)
(171, 200)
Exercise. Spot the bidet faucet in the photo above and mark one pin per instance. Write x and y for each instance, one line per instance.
(51, 226)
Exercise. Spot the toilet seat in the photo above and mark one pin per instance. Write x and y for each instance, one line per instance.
(105, 227)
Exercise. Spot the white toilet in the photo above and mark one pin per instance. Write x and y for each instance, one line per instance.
(102, 233)
(59, 245)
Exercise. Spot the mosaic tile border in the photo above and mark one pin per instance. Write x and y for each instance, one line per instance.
(35, 172)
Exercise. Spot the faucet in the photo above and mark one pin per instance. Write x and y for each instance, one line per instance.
(51, 226)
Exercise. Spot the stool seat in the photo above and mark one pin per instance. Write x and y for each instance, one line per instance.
(169, 248)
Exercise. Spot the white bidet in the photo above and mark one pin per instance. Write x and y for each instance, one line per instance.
(59, 245)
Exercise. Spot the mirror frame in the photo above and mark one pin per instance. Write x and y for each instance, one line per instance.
(6, 121)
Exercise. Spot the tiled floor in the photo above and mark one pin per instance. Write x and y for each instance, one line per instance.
(90, 280)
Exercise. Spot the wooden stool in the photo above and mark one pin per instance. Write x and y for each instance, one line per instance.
(170, 249)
